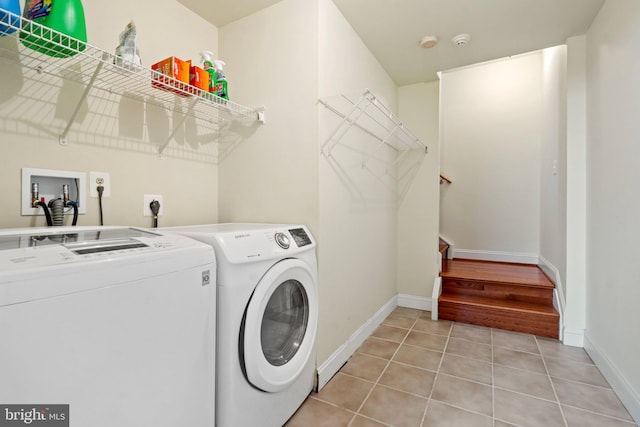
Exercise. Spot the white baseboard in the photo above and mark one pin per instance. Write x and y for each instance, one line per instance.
(559, 306)
(558, 301)
(520, 258)
(572, 337)
(411, 301)
(552, 272)
(629, 397)
(332, 365)
(437, 291)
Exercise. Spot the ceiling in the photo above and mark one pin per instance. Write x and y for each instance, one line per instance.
(392, 29)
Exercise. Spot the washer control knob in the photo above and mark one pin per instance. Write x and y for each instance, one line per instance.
(282, 240)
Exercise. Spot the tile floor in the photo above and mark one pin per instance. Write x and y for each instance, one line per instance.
(417, 372)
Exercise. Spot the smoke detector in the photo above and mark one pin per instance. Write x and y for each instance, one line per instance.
(461, 40)
(428, 41)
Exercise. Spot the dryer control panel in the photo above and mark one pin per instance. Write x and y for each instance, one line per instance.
(251, 244)
(300, 236)
(246, 242)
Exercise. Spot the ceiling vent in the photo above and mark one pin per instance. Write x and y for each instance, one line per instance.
(461, 40)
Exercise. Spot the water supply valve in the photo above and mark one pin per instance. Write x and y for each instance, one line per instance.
(34, 195)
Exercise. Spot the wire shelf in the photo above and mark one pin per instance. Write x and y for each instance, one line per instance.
(367, 113)
(55, 54)
(367, 133)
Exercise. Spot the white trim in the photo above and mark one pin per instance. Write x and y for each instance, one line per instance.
(490, 61)
(558, 304)
(619, 384)
(558, 300)
(520, 258)
(573, 337)
(450, 243)
(445, 238)
(411, 301)
(332, 365)
(435, 295)
(551, 271)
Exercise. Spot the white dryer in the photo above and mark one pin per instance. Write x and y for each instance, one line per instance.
(267, 320)
(118, 323)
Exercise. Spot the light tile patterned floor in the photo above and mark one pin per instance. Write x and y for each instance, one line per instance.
(416, 372)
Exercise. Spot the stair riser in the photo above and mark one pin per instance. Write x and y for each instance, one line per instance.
(502, 291)
(500, 318)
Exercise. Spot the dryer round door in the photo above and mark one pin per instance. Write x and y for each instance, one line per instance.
(280, 325)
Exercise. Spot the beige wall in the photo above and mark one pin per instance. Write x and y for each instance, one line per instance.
(112, 133)
(553, 163)
(357, 208)
(613, 197)
(490, 147)
(276, 173)
(418, 210)
(271, 173)
(357, 254)
(575, 285)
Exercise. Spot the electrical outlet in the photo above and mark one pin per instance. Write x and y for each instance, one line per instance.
(99, 178)
(148, 198)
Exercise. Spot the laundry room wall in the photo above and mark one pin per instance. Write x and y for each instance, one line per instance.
(112, 134)
(286, 57)
(271, 173)
(490, 132)
(553, 164)
(419, 207)
(358, 213)
(613, 197)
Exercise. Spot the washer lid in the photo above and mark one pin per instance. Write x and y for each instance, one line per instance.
(95, 237)
(281, 325)
(43, 263)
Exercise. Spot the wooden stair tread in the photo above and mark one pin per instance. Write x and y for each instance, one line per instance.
(497, 272)
(516, 306)
(517, 297)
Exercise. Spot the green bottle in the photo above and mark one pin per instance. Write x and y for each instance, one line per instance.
(221, 80)
(61, 16)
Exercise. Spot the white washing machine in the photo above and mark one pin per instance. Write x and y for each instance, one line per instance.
(267, 320)
(118, 323)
